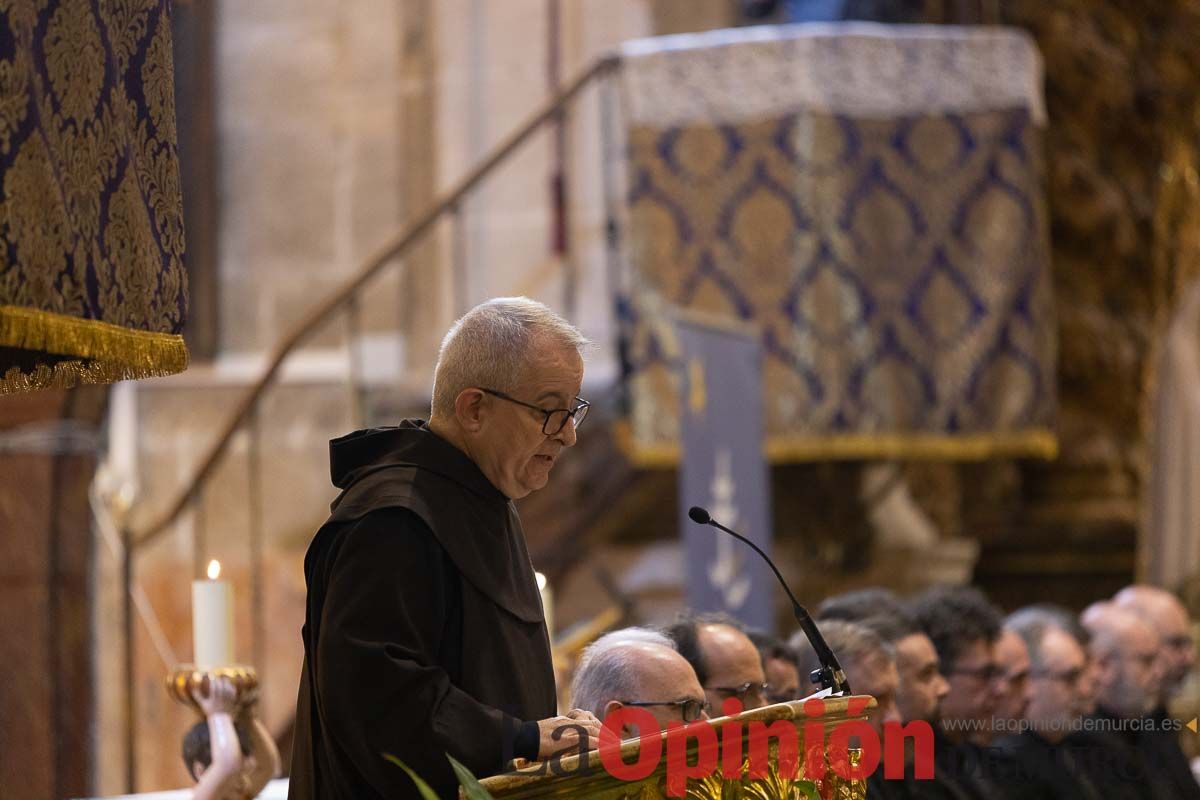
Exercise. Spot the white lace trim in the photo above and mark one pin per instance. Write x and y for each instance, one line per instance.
(857, 69)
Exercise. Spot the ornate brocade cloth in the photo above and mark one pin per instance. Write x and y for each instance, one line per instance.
(871, 197)
(92, 282)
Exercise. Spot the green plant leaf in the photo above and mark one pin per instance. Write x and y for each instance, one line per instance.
(808, 788)
(473, 788)
(422, 786)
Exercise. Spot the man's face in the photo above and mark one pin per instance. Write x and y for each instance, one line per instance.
(510, 447)
(732, 661)
(972, 695)
(922, 685)
(1177, 653)
(1012, 684)
(879, 678)
(783, 680)
(1057, 689)
(1133, 674)
(664, 676)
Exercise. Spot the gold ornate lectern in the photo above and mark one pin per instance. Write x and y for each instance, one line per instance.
(586, 777)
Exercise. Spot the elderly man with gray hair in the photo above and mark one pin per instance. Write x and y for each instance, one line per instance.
(1127, 673)
(424, 633)
(1159, 742)
(640, 668)
(1051, 761)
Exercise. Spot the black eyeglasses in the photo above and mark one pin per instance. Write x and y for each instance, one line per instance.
(748, 689)
(690, 710)
(556, 418)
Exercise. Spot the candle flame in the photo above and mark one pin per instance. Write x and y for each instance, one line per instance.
(214, 570)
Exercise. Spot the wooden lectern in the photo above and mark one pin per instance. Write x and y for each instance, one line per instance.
(585, 777)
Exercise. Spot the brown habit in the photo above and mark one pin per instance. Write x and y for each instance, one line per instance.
(424, 631)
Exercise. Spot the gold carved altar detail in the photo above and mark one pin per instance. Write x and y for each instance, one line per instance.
(585, 776)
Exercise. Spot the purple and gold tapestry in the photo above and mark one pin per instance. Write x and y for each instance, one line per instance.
(871, 198)
(92, 283)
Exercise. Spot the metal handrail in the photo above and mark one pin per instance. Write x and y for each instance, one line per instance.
(389, 251)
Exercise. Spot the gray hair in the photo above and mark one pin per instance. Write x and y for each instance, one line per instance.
(490, 346)
(1032, 623)
(608, 668)
(854, 644)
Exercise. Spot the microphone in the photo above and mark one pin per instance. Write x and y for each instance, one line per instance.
(830, 675)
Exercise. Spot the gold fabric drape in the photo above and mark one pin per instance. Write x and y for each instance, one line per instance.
(871, 199)
(92, 282)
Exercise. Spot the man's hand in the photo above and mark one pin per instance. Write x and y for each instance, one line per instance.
(216, 696)
(562, 734)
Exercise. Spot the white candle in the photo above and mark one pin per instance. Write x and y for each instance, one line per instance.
(212, 620)
(547, 602)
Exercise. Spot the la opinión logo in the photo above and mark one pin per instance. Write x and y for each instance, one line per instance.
(821, 754)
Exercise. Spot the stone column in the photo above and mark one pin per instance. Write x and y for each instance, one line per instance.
(424, 284)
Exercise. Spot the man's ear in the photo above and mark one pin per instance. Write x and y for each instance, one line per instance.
(469, 409)
(613, 706)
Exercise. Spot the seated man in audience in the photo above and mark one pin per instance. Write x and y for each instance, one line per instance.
(641, 669)
(964, 628)
(1068, 622)
(784, 682)
(868, 661)
(1125, 651)
(869, 653)
(1012, 684)
(725, 660)
(1047, 765)
(922, 685)
(1159, 742)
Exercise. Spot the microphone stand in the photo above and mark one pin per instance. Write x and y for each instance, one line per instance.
(829, 675)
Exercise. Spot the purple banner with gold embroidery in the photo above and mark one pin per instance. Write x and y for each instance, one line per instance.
(870, 197)
(92, 283)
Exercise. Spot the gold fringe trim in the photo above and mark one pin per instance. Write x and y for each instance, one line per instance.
(1033, 443)
(104, 353)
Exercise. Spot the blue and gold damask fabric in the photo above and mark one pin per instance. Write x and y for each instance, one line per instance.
(92, 283)
(871, 198)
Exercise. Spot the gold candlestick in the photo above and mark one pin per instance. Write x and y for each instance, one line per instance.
(186, 679)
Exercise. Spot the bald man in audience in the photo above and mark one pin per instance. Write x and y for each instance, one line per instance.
(638, 668)
(1160, 741)
(1128, 681)
(725, 660)
(1048, 767)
